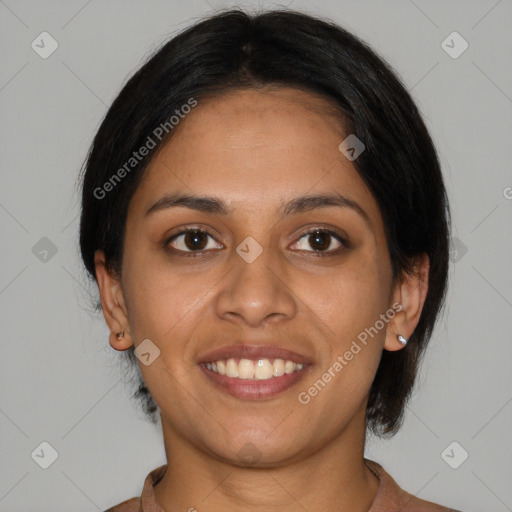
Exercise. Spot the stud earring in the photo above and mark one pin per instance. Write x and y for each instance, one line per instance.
(402, 340)
(120, 335)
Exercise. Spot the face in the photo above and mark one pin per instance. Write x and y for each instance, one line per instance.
(265, 278)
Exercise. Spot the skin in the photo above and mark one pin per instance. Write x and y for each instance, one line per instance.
(256, 150)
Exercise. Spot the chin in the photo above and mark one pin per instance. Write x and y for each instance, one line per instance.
(252, 448)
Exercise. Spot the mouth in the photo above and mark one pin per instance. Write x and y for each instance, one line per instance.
(254, 372)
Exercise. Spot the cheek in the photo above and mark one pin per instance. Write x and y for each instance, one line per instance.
(156, 297)
(351, 299)
(349, 312)
(160, 304)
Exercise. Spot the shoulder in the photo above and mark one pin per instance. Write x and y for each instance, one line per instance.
(415, 504)
(131, 505)
(391, 497)
(146, 502)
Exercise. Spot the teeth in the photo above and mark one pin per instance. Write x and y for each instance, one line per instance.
(246, 369)
(289, 366)
(221, 367)
(278, 367)
(231, 368)
(261, 369)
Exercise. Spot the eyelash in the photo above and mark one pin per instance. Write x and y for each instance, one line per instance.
(323, 254)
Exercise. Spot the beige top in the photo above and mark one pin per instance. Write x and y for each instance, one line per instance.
(389, 498)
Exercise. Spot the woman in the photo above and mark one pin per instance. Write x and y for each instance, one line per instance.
(265, 217)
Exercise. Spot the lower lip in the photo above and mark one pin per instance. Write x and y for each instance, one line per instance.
(251, 389)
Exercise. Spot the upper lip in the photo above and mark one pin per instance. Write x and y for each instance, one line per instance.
(253, 352)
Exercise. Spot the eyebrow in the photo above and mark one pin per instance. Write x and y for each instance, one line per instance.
(297, 205)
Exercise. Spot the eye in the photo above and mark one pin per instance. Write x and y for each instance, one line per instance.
(191, 240)
(195, 242)
(321, 240)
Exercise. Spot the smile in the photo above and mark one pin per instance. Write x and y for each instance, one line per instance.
(254, 372)
(260, 369)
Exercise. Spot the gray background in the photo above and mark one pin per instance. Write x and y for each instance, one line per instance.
(60, 382)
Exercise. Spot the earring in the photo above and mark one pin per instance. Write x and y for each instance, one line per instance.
(402, 340)
(120, 335)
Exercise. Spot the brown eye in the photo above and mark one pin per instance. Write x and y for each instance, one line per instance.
(191, 240)
(321, 240)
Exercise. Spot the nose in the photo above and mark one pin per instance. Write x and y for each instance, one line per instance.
(256, 292)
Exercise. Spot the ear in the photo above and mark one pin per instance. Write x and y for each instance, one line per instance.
(410, 291)
(112, 302)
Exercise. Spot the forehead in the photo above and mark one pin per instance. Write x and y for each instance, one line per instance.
(256, 149)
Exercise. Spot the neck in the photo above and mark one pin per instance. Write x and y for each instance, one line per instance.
(334, 478)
